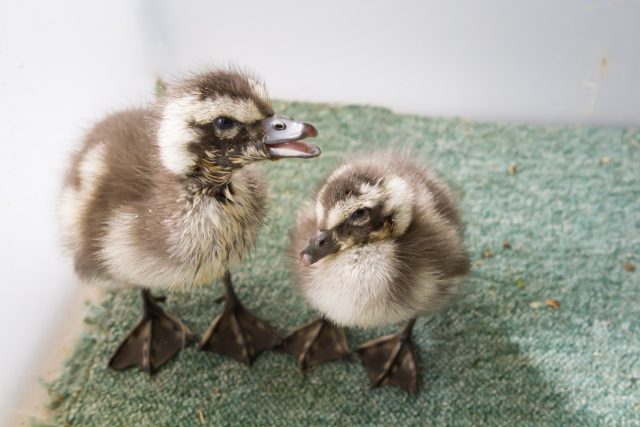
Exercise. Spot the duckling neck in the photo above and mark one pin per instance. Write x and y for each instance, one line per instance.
(214, 182)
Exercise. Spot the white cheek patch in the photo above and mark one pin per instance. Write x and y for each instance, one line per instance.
(174, 136)
(319, 212)
(339, 212)
(399, 202)
(176, 132)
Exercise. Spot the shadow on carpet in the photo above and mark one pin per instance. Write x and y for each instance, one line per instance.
(502, 354)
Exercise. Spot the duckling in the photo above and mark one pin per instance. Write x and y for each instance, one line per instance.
(380, 244)
(166, 198)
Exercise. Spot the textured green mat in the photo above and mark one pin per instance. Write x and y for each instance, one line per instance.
(498, 356)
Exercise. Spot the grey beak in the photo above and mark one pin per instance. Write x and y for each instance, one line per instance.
(283, 138)
(319, 247)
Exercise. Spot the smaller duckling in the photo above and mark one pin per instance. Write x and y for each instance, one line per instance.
(381, 243)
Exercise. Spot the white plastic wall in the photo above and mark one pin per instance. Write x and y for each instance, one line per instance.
(542, 61)
(63, 64)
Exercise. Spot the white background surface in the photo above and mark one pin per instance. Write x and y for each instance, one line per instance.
(64, 64)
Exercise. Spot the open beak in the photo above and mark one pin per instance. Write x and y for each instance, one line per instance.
(319, 247)
(283, 138)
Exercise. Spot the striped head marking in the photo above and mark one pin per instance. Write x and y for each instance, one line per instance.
(356, 207)
(212, 123)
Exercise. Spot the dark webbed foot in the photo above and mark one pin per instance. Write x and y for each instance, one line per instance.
(318, 342)
(390, 360)
(237, 333)
(155, 339)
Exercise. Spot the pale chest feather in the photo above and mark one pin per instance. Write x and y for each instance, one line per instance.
(215, 231)
(354, 288)
(204, 237)
(359, 287)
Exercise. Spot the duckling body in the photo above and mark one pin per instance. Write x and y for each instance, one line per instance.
(167, 198)
(128, 221)
(381, 243)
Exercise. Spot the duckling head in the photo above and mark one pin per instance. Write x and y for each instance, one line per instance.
(358, 207)
(216, 122)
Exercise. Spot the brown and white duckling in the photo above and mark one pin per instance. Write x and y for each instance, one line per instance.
(163, 198)
(381, 243)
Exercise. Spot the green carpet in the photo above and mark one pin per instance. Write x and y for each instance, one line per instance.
(498, 356)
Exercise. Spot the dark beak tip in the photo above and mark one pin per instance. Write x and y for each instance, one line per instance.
(305, 259)
(310, 131)
(315, 151)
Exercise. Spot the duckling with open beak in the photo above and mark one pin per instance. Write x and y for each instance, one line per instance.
(166, 198)
(380, 244)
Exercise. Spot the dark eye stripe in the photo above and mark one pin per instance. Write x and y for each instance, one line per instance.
(224, 123)
(358, 214)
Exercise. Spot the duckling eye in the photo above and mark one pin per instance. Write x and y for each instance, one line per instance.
(358, 214)
(224, 123)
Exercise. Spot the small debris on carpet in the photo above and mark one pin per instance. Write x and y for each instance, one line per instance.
(552, 303)
(506, 244)
(629, 267)
(512, 168)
